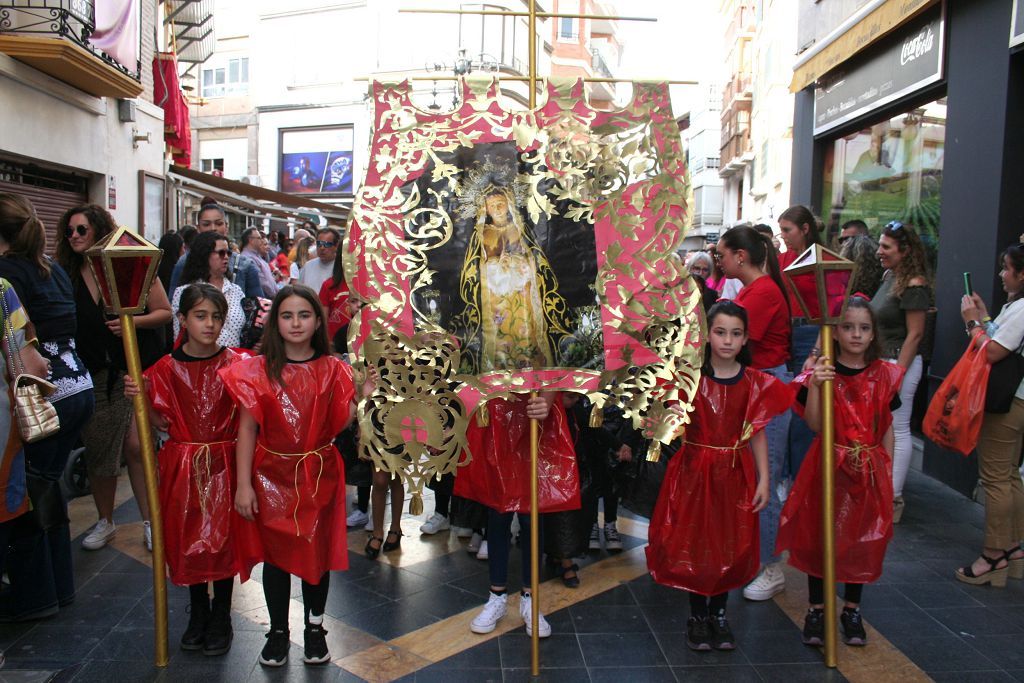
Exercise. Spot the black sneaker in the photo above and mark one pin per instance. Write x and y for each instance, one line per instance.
(217, 640)
(275, 652)
(814, 627)
(853, 627)
(698, 634)
(721, 634)
(194, 636)
(315, 638)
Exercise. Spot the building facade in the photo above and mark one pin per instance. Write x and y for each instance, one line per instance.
(701, 139)
(912, 111)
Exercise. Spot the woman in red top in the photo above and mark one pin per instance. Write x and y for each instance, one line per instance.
(334, 296)
(749, 256)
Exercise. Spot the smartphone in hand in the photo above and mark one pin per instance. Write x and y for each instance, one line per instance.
(968, 289)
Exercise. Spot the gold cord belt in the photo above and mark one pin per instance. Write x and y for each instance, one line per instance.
(301, 458)
(857, 459)
(735, 448)
(203, 477)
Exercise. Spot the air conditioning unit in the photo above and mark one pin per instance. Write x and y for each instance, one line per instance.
(252, 180)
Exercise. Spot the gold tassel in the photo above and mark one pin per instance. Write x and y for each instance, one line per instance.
(483, 418)
(596, 416)
(654, 451)
(416, 504)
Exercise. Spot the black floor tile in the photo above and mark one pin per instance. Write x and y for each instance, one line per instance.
(905, 571)
(349, 598)
(589, 618)
(294, 672)
(746, 616)
(674, 647)
(939, 594)
(1013, 594)
(392, 581)
(486, 655)
(975, 621)
(546, 676)
(432, 675)
(9, 633)
(799, 673)
(636, 674)
(717, 674)
(387, 622)
(1004, 650)
(557, 651)
(910, 622)
(69, 644)
(621, 650)
(441, 602)
(121, 584)
(105, 672)
(948, 653)
(452, 567)
(777, 647)
(104, 611)
(665, 621)
(994, 676)
(647, 592)
(620, 595)
(129, 645)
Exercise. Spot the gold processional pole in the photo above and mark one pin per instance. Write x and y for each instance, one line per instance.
(124, 266)
(828, 513)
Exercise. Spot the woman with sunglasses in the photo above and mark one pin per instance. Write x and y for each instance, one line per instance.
(900, 304)
(207, 261)
(111, 432)
(40, 559)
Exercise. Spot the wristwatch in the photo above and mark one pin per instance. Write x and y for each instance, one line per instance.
(971, 324)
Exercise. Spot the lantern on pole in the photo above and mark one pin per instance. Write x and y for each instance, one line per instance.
(124, 265)
(821, 281)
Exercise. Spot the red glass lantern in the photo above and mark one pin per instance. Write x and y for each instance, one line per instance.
(124, 265)
(821, 280)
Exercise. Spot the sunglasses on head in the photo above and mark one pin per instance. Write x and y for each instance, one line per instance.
(894, 226)
(223, 253)
(82, 230)
(324, 244)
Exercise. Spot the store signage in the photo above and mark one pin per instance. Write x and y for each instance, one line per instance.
(907, 61)
(1017, 24)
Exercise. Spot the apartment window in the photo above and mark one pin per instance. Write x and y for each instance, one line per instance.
(568, 28)
(763, 168)
(211, 165)
(230, 79)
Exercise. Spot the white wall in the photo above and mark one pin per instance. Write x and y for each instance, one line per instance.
(234, 152)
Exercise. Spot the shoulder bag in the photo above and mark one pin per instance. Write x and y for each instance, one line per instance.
(1003, 380)
(35, 416)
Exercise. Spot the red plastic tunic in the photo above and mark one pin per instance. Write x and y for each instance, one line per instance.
(498, 476)
(297, 472)
(704, 535)
(197, 466)
(863, 481)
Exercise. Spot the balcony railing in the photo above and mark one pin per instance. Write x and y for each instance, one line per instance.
(735, 146)
(598, 64)
(74, 20)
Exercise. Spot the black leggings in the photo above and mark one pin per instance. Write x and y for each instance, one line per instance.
(277, 589)
(222, 589)
(363, 498)
(816, 591)
(442, 503)
(702, 605)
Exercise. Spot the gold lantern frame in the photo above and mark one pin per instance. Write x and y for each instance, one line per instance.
(106, 251)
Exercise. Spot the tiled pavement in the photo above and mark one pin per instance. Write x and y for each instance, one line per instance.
(625, 628)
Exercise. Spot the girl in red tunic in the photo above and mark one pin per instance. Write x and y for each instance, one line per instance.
(866, 393)
(197, 469)
(293, 400)
(704, 535)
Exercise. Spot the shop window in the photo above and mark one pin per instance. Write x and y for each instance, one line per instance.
(889, 171)
(211, 165)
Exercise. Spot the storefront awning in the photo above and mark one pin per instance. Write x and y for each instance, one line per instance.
(871, 22)
(253, 199)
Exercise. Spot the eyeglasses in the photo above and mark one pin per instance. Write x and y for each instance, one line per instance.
(223, 253)
(82, 230)
(325, 245)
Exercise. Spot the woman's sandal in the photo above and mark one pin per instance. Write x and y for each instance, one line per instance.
(373, 551)
(388, 545)
(571, 581)
(995, 577)
(1015, 565)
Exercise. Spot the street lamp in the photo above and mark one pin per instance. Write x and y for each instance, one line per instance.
(821, 281)
(124, 266)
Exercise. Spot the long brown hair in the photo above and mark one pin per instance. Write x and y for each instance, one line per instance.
(761, 251)
(874, 350)
(21, 228)
(914, 261)
(273, 344)
(102, 225)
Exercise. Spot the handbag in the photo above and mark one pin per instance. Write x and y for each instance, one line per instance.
(953, 419)
(1003, 381)
(35, 416)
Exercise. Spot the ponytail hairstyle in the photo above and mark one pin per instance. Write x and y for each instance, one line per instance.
(1014, 254)
(799, 215)
(273, 344)
(873, 351)
(761, 251)
(21, 228)
(730, 308)
(195, 294)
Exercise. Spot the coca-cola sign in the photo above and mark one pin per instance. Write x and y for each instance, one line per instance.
(898, 65)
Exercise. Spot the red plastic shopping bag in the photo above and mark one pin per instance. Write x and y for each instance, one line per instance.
(954, 416)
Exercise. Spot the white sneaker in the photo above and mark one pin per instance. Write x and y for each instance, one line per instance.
(525, 609)
(462, 531)
(99, 535)
(482, 553)
(474, 544)
(357, 519)
(147, 535)
(436, 522)
(493, 611)
(770, 581)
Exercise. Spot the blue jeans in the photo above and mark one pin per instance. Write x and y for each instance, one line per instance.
(40, 566)
(499, 536)
(800, 435)
(777, 433)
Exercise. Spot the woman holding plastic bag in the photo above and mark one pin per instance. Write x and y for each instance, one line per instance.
(1000, 439)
